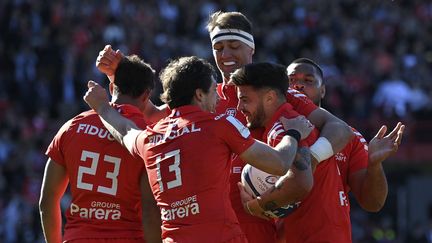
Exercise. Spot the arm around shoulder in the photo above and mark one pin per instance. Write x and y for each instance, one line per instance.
(335, 134)
(276, 160)
(122, 129)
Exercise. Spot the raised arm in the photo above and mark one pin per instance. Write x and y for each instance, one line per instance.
(123, 130)
(107, 63)
(369, 185)
(54, 184)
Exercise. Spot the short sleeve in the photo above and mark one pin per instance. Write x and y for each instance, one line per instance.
(359, 154)
(54, 150)
(139, 145)
(234, 133)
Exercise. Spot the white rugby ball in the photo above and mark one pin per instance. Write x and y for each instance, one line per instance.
(256, 182)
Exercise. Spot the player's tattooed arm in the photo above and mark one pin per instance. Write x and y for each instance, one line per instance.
(270, 205)
(302, 161)
(293, 186)
(289, 189)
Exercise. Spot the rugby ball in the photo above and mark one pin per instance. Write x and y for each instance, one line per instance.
(256, 182)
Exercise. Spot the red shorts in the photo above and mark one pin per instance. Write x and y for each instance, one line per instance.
(259, 232)
(107, 240)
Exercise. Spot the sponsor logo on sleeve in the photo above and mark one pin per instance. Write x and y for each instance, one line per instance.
(243, 130)
(231, 112)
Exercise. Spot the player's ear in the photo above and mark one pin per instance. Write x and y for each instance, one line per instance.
(270, 96)
(145, 96)
(199, 93)
(323, 91)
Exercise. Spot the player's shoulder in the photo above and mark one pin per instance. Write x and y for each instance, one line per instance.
(224, 121)
(85, 115)
(133, 113)
(358, 142)
(298, 99)
(356, 132)
(275, 130)
(288, 111)
(358, 136)
(88, 117)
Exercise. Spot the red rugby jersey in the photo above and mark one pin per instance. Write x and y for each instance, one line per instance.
(104, 178)
(352, 158)
(188, 160)
(324, 209)
(228, 105)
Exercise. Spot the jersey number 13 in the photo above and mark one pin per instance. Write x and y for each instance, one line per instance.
(174, 168)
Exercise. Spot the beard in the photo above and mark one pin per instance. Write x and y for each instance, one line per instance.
(257, 119)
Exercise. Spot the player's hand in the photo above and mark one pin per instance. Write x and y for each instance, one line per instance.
(96, 96)
(381, 147)
(250, 204)
(244, 195)
(108, 60)
(299, 123)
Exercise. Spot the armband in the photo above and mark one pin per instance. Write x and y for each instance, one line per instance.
(294, 133)
(321, 149)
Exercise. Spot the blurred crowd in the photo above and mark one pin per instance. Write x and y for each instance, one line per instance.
(376, 57)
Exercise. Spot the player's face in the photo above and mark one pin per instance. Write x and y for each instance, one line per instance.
(251, 105)
(211, 98)
(306, 79)
(230, 55)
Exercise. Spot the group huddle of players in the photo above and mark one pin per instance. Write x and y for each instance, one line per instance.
(141, 173)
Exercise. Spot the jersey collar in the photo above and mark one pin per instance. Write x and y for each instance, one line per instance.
(279, 112)
(183, 110)
(126, 108)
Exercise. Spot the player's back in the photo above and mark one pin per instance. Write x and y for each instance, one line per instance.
(188, 163)
(104, 178)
